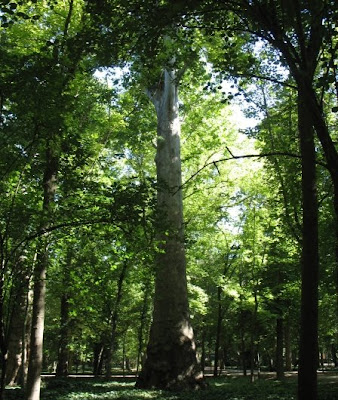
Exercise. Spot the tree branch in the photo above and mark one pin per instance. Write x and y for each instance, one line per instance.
(233, 157)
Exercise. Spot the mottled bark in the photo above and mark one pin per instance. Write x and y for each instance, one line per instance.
(308, 352)
(171, 355)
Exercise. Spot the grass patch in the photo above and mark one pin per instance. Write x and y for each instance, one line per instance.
(223, 388)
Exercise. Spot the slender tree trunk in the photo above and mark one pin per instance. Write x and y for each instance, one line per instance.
(288, 350)
(114, 320)
(253, 339)
(142, 324)
(279, 349)
(243, 351)
(334, 355)
(16, 329)
(218, 329)
(171, 354)
(62, 365)
(203, 352)
(3, 343)
(220, 314)
(39, 279)
(308, 350)
(26, 337)
(98, 356)
(63, 354)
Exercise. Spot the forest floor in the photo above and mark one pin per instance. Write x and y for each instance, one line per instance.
(228, 387)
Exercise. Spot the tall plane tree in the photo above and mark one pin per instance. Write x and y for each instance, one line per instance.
(171, 355)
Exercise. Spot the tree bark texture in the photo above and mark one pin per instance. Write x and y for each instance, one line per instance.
(39, 279)
(171, 355)
(308, 350)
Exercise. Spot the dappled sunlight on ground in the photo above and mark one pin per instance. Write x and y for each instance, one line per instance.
(230, 386)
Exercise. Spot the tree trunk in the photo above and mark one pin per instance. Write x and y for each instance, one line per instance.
(171, 355)
(114, 320)
(218, 329)
(22, 379)
(308, 350)
(334, 355)
(98, 356)
(62, 365)
(288, 350)
(62, 368)
(253, 339)
(3, 343)
(17, 326)
(38, 316)
(279, 349)
(142, 324)
(203, 349)
(39, 279)
(243, 351)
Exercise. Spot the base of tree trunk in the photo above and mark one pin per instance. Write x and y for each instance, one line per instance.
(171, 368)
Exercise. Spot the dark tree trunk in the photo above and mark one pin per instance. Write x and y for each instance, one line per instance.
(244, 353)
(171, 353)
(288, 349)
(308, 349)
(98, 357)
(253, 346)
(3, 343)
(143, 317)
(22, 379)
(203, 350)
(114, 320)
(62, 368)
(334, 355)
(279, 349)
(62, 365)
(17, 327)
(218, 329)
